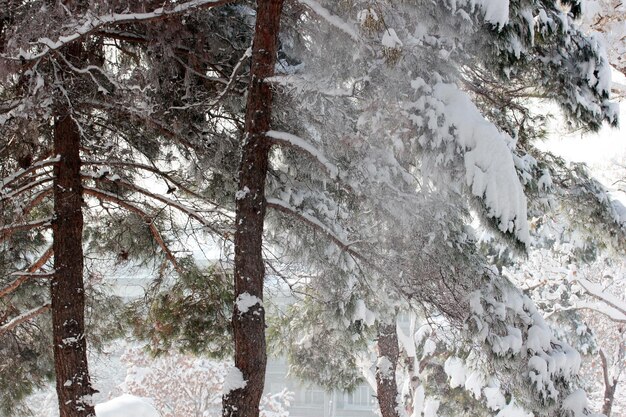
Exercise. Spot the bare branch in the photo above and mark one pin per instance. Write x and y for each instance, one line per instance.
(597, 293)
(605, 368)
(613, 315)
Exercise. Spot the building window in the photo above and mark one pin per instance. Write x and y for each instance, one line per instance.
(361, 397)
(313, 396)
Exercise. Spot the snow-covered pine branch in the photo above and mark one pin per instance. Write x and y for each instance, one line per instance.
(299, 143)
(605, 297)
(93, 23)
(30, 273)
(22, 318)
(169, 202)
(7, 230)
(107, 196)
(311, 221)
(332, 19)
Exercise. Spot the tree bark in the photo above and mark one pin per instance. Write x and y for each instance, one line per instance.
(609, 386)
(73, 383)
(249, 317)
(388, 353)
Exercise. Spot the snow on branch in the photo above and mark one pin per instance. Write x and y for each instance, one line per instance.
(22, 318)
(7, 231)
(597, 292)
(301, 83)
(289, 139)
(27, 187)
(106, 196)
(284, 207)
(93, 23)
(608, 311)
(172, 203)
(23, 172)
(165, 175)
(489, 167)
(332, 19)
(31, 272)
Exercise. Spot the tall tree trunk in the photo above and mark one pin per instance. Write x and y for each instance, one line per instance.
(73, 384)
(388, 353)
(249, 314)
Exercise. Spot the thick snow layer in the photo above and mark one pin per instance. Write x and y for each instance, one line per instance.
(474, 383)
(362, 313)
(419, 397)
(233, 380)
(431, 406)
(531, 341)
(494, 397)
(384, 367)
(245, 301)
(513, 410)
(576, 402)
(390, 39)
(332, 19)
(126, 406)
(495, 12)
(489, 166)
(456, 371)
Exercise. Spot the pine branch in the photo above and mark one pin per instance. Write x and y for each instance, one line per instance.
(136, 114)
(104, 195)
(26, 276)
(36, 200)
(25, 188)
(303, 145)
(22, 318)
(175, 204)
(7, 231)
(154, 170)
(6, 181)
(284, 207)
(93, 24)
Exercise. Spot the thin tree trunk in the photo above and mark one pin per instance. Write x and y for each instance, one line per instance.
(609, 396)
(249, 315)
(388, 353)
(609, 386)
(73, 384)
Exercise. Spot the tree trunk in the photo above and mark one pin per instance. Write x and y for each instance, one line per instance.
(610, 384)
(609, 396)
(73, 384)
(249, 316)
(388, 353)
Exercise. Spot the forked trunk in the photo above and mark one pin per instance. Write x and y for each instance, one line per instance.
(249, 314)
(388, 353)
(67, 290)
